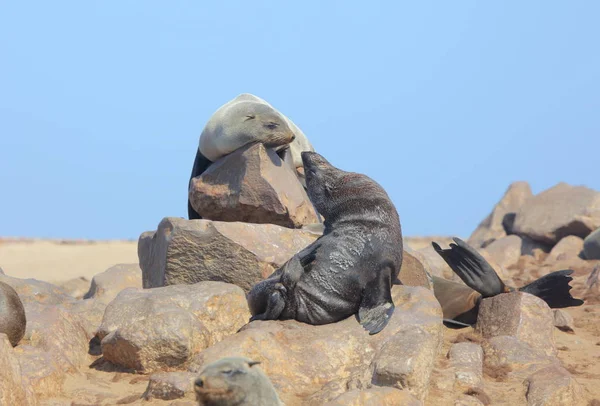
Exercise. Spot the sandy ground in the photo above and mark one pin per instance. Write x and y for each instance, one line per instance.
(57, 261)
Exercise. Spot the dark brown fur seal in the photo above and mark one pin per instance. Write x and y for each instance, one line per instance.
(350, 268)
(460, 303)
(12, 314)
(234, 381)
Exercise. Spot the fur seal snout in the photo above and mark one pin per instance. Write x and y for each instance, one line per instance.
(12, 314)
(234, 381)
(350, 268)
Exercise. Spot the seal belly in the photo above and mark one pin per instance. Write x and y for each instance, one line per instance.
(322, 304)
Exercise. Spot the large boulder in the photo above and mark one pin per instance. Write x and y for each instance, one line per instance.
(494, 226)
(252, 185)
(506, 251)
(106, 286)
(521, 315)
(190, 251)
(568, 247)
(36, 291)
(553, 386)
(156, 329)
(321, 363)
(466, 359)
(558, 212)
(591, 245)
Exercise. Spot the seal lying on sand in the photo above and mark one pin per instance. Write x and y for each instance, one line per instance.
(460, 303)
(245, 120)
(234, 381)
(350, 268)
(12, 314)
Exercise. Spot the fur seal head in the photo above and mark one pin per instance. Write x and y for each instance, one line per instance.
(234, 381)
(244, 121)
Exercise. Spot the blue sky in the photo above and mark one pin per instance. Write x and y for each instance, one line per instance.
(443, 103)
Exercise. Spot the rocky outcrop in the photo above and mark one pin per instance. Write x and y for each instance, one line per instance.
(106, 285)
(323, 362)
(558, 212)
(252, 185)
(190, 251)
(495, 225)
(157, 329)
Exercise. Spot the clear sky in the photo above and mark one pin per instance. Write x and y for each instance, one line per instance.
(443, 103)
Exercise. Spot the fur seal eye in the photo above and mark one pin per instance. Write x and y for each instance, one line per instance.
(271, 125)
(250, 117)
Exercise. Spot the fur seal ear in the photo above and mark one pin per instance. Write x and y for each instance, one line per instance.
(252, 363)
(250, 117)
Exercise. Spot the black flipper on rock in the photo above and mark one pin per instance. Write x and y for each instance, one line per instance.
(472, 268)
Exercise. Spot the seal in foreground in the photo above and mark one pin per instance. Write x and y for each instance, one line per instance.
(350, 268)
(234, 381)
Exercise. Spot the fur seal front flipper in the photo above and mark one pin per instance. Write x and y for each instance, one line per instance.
(554, 289)
(201, 163)
(472, 268)
(377, 306)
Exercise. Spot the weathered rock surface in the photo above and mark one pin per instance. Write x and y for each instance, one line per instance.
(376, 396)
(467, 361)
(107, 285)
(35, 291)
(492, 227)
(190, 251)
(157, 329)
(511, 354)
(12, 391)
(567, 248)
(252, 185)
(553, 386)
(415, 270)
(170, 385)
(406, 361)
(76, 287)
(520, 315)
(506, 251)
(322, 362)
(58, 332)
(591, 245)
(42, 374)
(558, 212)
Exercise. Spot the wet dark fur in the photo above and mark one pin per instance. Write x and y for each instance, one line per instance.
(350, 268)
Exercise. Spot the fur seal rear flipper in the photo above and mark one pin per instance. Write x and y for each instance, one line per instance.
(554, 289)
(460, 304)
(472, 268)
